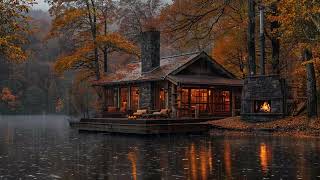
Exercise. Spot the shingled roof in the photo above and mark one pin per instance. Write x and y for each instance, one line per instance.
(168, 66)
(132, 72)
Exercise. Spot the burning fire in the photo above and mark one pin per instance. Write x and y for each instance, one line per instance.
(265, 107)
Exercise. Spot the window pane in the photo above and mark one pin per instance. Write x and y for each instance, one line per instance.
(134, 98)
(123, 99)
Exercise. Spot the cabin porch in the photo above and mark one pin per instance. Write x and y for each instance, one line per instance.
(182, 100)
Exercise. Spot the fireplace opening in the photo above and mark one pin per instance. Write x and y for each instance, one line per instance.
(262, 106)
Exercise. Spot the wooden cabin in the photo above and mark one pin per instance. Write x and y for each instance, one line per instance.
(189, 85)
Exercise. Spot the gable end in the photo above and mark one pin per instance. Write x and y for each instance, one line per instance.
(203, 67)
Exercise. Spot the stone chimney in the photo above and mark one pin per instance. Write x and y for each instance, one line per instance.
(150, 50)
(262, 42)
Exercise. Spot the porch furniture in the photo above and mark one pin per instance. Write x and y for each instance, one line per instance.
(162, 113)
(140, 112)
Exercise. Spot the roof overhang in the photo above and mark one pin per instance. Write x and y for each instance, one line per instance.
(120, 83)
(200, 80)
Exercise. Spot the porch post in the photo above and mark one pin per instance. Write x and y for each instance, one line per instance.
(178, 100)
(174, 100)
(129, 98)
(118, 97)
(167, 94)
(233, 104)
(105, 89)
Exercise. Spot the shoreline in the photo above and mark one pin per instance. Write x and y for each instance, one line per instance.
(299, 126)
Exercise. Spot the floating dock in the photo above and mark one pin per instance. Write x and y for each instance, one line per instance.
(143, 126)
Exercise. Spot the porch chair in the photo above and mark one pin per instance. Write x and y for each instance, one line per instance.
(140, 112)
(162, 113)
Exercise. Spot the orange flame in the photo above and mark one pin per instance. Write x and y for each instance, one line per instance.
(265, 107)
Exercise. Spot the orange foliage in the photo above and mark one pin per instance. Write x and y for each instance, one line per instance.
(79, 56)
(9, 98)
(230, 51)
(69, 16)
(296, 17)
(6, 95)
(196, 23)
(116, 42)
(300, 27)
(219, 26)
(86, 26)
(14, 28)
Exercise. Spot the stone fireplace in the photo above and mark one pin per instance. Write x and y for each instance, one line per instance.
(263, 98)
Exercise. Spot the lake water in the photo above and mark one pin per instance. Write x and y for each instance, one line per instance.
(44, 147)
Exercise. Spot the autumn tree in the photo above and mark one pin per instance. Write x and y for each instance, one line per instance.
(229, 50)
(14, 28)
(137, 15)
(85, 24)
(212, 26)
(300, 25)
(13, 32)
(8, 100)
(201, 20)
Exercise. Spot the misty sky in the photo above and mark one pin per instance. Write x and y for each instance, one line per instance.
(41, 5)
(44, 6)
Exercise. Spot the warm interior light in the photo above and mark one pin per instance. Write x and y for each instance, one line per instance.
(265, 107)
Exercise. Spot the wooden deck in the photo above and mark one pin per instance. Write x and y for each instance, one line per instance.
(144, 126)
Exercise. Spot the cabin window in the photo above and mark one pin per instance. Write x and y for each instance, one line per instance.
(110, 97)
(199, 97)
(160, 97)
(134, 98)
(222, 101)
(209, 101)
(185, 104)
(123, 99)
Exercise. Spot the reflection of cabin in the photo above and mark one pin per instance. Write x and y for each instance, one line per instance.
(185, 84)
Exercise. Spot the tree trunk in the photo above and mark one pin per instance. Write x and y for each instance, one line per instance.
(275, 43)
(105, 59)
(311, 85)
(105, 50)
(93, 25)
(96, 60)
(251, 39)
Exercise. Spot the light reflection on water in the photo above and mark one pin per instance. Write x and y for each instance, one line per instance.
(44, 147)
(264, 157)
(132, 156)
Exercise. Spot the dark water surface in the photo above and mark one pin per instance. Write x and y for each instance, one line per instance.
(44, 147)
